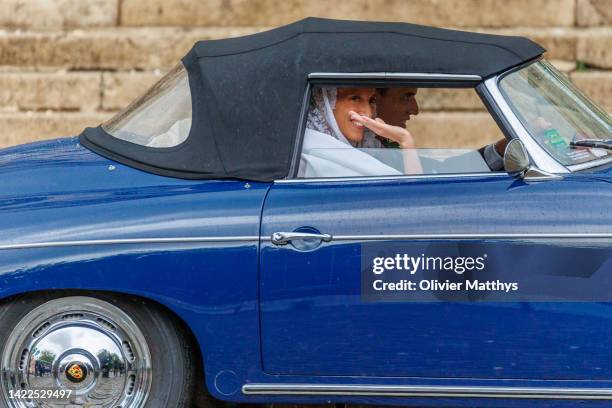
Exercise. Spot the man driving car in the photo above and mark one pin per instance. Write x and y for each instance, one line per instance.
(396, 106)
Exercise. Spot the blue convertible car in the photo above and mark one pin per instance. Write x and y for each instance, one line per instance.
(261, 227)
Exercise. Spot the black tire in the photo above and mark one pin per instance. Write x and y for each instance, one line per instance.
(177, 379)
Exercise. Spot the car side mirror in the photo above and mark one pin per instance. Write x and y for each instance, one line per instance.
(516, 158)
(518, 164)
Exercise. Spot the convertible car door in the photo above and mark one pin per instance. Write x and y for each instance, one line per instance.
(315, 321)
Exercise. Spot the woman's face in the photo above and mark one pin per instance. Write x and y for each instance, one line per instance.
(359, 100)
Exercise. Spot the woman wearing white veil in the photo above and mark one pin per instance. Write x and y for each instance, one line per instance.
(339, 123)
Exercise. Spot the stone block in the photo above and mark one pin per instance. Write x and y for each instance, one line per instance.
(442, 99)
(17, 128)
(112, 49)
(57, 14)
(594, 47)
(456, 13)
(56, 91)
(597, 85)
(594, 12)
(468, 130)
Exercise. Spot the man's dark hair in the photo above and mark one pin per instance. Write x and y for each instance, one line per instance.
(382, 91)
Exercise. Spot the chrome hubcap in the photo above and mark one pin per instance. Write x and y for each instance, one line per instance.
(76, 351)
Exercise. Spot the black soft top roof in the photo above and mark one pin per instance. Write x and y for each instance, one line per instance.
(247, 92)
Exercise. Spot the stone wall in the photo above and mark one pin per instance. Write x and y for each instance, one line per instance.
(67, 64)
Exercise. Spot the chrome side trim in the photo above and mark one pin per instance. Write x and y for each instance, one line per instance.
(393, 75)
(442, 77)
(438, 237)
(540, 157)
(384, 178)
(536, 174)
(179, 240)
(428, 391)
(347, 75)
(247, 238)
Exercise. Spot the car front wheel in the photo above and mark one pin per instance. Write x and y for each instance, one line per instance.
(102, 351)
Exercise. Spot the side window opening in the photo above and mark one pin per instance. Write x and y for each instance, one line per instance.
(363, 131)
(159, 118)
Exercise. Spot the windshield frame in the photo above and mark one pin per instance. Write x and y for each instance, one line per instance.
(533, 143)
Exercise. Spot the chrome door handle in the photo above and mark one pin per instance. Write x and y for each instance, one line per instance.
(283, 238)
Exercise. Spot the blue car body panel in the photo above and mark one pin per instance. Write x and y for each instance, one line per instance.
(59, 191)
(268, 314)
(308, 296)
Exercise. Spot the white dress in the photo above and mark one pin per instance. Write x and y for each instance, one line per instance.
(326, 156)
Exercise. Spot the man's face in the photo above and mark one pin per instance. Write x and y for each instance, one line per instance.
(396, 105)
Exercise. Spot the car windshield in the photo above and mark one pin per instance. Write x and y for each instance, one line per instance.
(557, 114)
